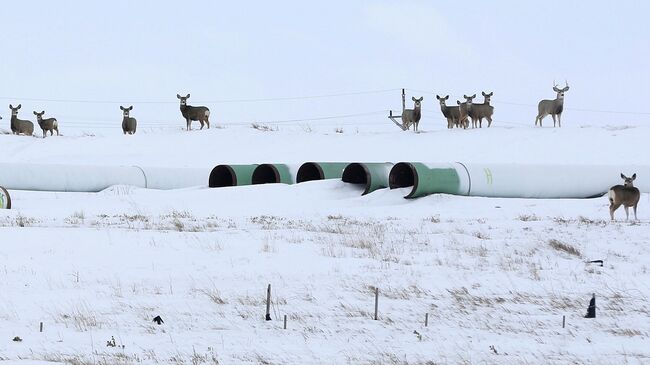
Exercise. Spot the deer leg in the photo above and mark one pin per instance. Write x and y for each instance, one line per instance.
(627, 212)
(612, 208)
(207, 121)
(553, 115)
(189, 124)
(559, 120)
(489, 119)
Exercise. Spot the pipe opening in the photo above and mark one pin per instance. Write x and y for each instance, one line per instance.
(309, 171)
(265, 174)
(222, 175)
(5, 199)
(402, 175)
(356, 173)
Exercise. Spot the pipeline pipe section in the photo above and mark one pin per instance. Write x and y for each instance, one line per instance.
(320, 171)
(273, 173)
(231, 175)
(5, 198)
(372, 176)
(83, 178)
(513, 180)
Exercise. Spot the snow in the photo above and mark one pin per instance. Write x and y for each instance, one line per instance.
(495, 276)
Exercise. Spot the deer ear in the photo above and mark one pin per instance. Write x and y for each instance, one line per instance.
(634, 176)
(566, 89)
(131, 107)
(483, 93)
(437, 97)
(458, 102)
(622, 176)
(121, 107)
(473, 96)
(10, 106)
(446, 97)
(413, 98)
(35, 113)
(19, 106)
(43, 112)
(178, 96)
(490, 94)
(421, 98)
(188, 96)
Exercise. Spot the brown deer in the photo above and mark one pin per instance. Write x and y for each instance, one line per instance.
(626, 195)
(129, 124)
(451, 113)
(480, 111)
(19, 126)
(552, 107)
(412, 116)
(49, 124)
(191, 113)
(465, 109)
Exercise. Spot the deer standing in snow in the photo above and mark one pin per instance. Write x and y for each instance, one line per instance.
(48, 124)
(451, 113)
(190, 113)
(626, 195)
(412, 116)
(552, 107)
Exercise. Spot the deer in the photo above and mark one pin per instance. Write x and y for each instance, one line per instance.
(190, 113)
(480, 111)
(19, 126)
(464, 109)
(49, 124)
(552, 107)
(626, 195)
(412, 116)
(129, 124)
(451, 113)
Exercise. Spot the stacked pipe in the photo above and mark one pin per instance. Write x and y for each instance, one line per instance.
(5, 198)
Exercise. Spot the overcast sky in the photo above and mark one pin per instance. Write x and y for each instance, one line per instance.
(148, 51)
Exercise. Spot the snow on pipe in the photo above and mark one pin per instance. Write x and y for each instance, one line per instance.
(320, 170)
(513, 180)
(231, 175)
(372, 175)
(83, 178)
(5, 198)
(273, 173)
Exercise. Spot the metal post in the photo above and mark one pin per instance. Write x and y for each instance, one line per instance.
(403, 100)
(285, 321)
(268, 303)
(426, 319)
(41, 327)
(563, 321)
(376, 302)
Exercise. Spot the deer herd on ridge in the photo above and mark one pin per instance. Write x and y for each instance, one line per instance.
(458, 116)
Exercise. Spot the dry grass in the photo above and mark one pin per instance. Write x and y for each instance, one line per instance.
(564, 247)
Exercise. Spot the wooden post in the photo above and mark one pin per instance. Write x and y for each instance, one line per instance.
(376, 302)
(403, 100)
(268, 303)
(563, 321)
(285, 321)
(426, 319)
(41, 327)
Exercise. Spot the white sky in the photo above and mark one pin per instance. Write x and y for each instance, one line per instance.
(138, 51)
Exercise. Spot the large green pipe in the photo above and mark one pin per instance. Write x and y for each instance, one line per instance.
(320, 171)
(5, 199)
(231, 175)
(373, 176)
(272, 173)
(425, 180)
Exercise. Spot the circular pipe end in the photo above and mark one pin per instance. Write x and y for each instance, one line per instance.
(403, 175)
(5, 199)
(309, 171)
(221, 176)
(357, 173)
(265, 174)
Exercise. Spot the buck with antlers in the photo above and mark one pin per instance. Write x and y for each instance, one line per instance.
(552, 107)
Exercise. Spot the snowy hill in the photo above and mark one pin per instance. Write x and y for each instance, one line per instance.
(494, 276)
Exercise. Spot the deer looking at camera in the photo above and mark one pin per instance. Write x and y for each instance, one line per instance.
(129, 124)
(626, 195)
(451, 113)
(412, 116)
(552, 107)
(19, 126)
(47, 124)
(190, 113)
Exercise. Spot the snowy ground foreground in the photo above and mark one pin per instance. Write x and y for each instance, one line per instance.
(495, 275)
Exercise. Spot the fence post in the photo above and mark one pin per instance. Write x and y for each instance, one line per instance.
(376, 302)
(426, 319)
(563, 321)
(41, 327)
(285, 321)
(268, 303)
(403, 100)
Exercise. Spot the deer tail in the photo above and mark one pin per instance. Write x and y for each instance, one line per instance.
(611, 195)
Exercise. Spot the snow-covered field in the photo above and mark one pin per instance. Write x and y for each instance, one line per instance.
(495, 276)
